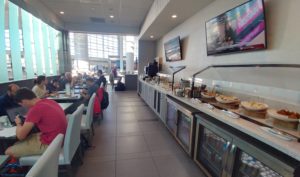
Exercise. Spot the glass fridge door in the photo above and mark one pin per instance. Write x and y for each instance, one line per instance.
(212, 151)
(249, 166)
(184, 130)
(171, 117)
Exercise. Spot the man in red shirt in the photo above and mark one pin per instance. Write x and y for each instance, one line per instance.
(46, 115)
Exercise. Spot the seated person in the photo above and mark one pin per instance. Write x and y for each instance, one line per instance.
(46, 115)
(67, 78)
(120, 86)
(40, 87)
(53, 86)
(7, 101)
(91, 88)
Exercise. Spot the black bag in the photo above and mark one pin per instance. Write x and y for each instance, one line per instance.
(105, 100)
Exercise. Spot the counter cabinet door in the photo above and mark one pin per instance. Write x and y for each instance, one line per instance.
(171, 119)
(184, 130)
(163, 107)
(212, 148)
(254, 162)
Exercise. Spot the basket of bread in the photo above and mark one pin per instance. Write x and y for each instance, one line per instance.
(254, 109)
(208, 95)
(284, 118)
(230, 102)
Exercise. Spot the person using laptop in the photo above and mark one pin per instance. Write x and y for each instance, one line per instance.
(7, 101)
(46, 115)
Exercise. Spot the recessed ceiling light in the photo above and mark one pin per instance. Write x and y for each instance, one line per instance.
(62, 12)
(151, 36)
(174, 16)
(111, 16)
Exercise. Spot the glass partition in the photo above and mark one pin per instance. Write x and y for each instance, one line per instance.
(28, 46)
(3, 68)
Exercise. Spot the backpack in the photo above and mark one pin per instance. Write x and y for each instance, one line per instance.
(105, 100)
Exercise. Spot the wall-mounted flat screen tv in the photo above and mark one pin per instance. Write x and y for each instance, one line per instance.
(173, 50)
(242, 28)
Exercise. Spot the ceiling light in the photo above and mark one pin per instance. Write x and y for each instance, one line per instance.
(111, 16)
(62, 12)
(151, 36)
(174, 16)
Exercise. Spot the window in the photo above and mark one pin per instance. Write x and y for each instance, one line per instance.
(102, 46)
(29, 44)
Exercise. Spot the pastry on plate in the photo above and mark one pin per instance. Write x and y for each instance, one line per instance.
(208, 94)
(227, 99)
(254, 106)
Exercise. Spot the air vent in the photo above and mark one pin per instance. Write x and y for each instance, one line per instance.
(97, 20)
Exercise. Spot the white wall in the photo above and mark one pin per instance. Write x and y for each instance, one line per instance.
(282, 30)
(283, 39)
(147, 51)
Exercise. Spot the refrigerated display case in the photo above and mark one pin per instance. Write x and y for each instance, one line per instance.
(184, 127)
(180, 122)
(212, 149)
(221, 152)
(171, 119)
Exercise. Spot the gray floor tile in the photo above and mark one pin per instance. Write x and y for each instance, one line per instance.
(99, 169)
(158, 142)
(131, 144)
(172, 166)
(124, 129)
(103, 146)
(133, 156)
(136, 168)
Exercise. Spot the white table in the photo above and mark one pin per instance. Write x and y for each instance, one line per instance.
(65, 106)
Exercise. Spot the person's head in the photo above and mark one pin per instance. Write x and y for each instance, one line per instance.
(41, 80)
(25, 97)
(90, 81)
(99, 73)
(12, 89)
(55, 83)
(68, 76)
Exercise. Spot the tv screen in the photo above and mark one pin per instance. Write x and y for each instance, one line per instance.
(242, 28)
(173, 50)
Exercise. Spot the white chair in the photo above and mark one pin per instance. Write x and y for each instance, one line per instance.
(71, 143)
(87, 119)
(47, 164)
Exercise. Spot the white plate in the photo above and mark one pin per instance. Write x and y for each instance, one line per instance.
(273, 113)
(246, 105)
(278, 134)
(234, 100)
(206, 96)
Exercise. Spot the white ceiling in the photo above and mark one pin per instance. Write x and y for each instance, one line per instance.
(127, 13)
(163, 23)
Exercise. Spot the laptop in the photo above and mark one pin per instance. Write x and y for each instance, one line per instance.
(13, 112)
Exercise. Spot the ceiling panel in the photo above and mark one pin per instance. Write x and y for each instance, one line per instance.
(126, 12)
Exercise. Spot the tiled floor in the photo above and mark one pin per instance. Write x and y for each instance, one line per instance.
(131, 142)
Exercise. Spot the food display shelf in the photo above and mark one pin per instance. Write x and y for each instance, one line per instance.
(267, 122)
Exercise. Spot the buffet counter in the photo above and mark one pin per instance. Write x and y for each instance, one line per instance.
(289, 149)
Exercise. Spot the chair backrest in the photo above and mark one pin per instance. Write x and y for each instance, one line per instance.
(47, 164)
(72, 137)
(90, 111)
